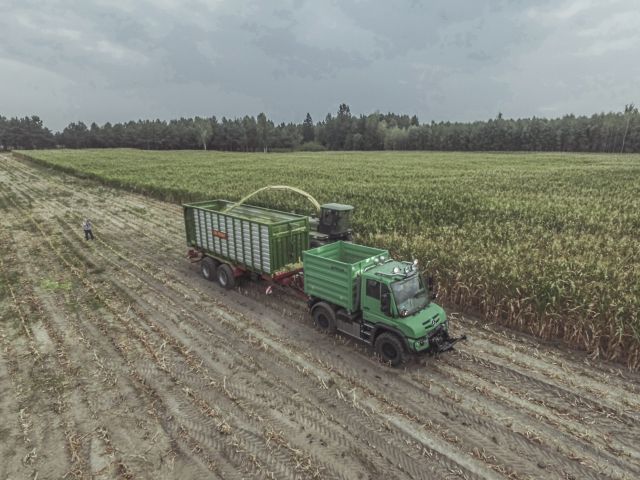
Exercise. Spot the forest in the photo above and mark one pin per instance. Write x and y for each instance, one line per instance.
(613, 132)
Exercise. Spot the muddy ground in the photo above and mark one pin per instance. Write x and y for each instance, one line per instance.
(118, 360)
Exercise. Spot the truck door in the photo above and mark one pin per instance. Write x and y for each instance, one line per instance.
(376, 296)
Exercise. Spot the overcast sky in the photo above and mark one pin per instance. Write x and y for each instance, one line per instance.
(117, 60)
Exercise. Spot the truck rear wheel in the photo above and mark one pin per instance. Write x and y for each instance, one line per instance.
(324, 317)
(225, 276)
(208, 268)
(390, 349)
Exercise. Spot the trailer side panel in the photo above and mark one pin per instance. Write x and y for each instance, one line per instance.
(260, 240)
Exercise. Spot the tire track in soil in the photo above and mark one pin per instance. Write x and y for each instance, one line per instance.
(74, 365)
(561, 403)
(54, 247)
(552, 387)
(559, 439)
(626, 407)
(121, 468)
(158, 389)
(29, 371)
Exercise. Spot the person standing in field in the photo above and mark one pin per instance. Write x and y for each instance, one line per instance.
(86, 226)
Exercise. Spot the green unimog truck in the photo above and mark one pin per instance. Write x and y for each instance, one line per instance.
(364, 293)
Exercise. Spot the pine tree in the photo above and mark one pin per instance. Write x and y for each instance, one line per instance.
(308, 133)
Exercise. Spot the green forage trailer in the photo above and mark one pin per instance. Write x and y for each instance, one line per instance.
(245, 240)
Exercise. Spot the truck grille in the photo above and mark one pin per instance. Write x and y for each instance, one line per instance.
(430, 322)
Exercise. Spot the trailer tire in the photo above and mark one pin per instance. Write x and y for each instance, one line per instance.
(324, 318)
(390, 349)
(208, 268)
(225, 277)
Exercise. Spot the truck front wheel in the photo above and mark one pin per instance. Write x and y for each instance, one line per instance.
(324, 317)
(390, 349)
(208, 268)
(225, 276)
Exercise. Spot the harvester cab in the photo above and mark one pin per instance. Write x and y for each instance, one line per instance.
(334, 224)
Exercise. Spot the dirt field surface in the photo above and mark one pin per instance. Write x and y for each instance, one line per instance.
(118, 360)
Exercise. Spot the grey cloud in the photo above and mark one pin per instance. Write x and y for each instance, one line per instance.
(451, 60)
(304, 60)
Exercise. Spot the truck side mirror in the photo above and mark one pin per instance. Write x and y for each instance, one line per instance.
(385, 304)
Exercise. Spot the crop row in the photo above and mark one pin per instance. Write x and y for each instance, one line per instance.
(548, 243)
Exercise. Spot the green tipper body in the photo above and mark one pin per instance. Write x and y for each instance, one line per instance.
(258, 239)
(331, 272)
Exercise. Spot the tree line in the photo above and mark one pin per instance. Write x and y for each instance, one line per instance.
(602, 132)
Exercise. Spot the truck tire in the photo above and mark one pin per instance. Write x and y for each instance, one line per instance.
(324, 317)
(390, 349)
(225, 276)
(208, 268)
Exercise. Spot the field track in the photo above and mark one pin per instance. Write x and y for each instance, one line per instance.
(117, 360)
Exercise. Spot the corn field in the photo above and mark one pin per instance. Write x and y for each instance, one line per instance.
(546, 243)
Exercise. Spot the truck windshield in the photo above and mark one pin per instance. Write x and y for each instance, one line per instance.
(410, 295)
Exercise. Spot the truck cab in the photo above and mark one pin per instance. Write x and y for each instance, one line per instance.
(386, 303)
(333, 224)
(396, 298)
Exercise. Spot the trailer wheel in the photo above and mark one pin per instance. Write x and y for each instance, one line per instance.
(225, 276)
(390, 349)
(324, 317)
(208, 268)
